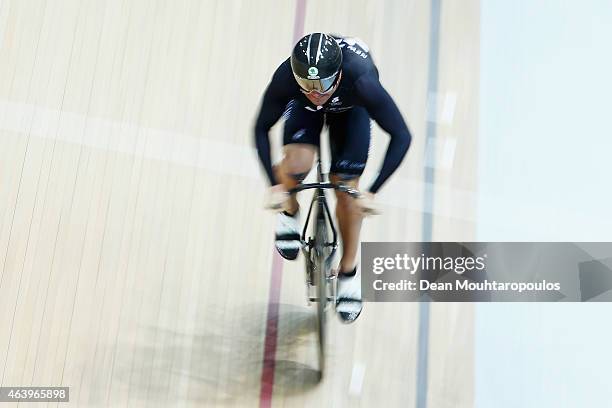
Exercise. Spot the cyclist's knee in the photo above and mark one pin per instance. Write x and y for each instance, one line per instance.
(351, 180)
(346, 172)
(298, 177)
(297, 161)
(345, 178)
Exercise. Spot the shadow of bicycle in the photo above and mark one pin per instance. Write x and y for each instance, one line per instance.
(220, 360)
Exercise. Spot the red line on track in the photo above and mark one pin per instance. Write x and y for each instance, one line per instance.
(269, 358)
(298, 21)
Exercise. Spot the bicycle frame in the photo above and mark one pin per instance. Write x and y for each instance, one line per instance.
(319, 251)
(323, 208)
(322, 211)
(323, 214)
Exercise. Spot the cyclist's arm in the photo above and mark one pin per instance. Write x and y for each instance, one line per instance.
(272, 107)
(384, 111)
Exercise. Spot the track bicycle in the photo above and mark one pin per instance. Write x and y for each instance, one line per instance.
(319, 249)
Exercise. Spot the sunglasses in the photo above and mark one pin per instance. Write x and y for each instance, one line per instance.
(319, 87)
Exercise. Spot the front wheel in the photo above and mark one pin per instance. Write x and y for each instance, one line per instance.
(320, 279)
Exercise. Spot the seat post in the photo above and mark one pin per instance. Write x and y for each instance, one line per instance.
(319, 167)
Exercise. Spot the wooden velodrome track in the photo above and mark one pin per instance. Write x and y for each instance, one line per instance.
(136, 257)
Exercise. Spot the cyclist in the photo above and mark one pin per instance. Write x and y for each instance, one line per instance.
(328, 80)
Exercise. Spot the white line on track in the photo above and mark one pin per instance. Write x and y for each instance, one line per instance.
(216, 156)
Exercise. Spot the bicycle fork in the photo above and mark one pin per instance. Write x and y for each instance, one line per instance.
(310, 248)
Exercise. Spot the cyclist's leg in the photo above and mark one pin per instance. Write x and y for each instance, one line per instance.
(349, 223)
(301, 136)
(300, 139)
(350, 143)
(292, 170)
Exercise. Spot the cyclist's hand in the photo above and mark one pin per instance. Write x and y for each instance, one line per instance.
(367, 204)
(277, 198)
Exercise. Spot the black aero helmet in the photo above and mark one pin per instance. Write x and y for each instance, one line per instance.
(316, 62)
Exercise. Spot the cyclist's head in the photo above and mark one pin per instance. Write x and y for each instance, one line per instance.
(316, 61)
